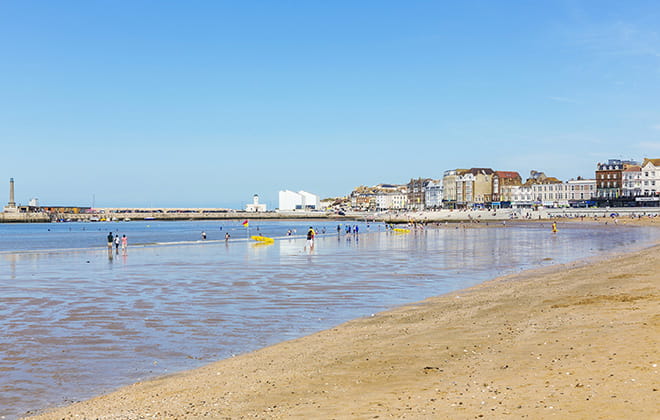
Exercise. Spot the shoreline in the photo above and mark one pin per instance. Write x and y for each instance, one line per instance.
(506, 346)
(403, 216)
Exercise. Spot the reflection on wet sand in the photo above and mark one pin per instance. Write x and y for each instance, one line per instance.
(75, 324)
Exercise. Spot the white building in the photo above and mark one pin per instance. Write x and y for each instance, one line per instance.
(255, 207)
(396, 200)
(570, 193)
(289, 200)
(310, 201)
(650, 177)
(521, 196)
(578, 190)
(302, 200)
(433, 194)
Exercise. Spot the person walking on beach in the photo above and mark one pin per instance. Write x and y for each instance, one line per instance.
(227, 236)
(117, 244)
(310, 239)
(124, 245)
(111, 239)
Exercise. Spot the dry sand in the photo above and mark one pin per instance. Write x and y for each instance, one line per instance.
(579, 341)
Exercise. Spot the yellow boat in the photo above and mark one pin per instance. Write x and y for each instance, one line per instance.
(262, 239)
(399, 230)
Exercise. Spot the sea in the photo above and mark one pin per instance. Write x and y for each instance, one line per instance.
(76, 322)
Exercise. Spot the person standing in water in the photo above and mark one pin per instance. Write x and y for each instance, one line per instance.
(124, 245)
(111, 240)
(117, 244)
(310, 239)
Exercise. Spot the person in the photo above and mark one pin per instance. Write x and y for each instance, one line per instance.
(554, 227)
(227, 236)
(203, 235)
(310, 238)
(124, 244)
(338, 229)
(117, 243)
(111, 239)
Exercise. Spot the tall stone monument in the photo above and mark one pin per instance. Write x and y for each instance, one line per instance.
(11, 206)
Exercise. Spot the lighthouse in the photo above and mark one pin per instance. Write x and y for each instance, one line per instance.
(255, 207)
(11, 206)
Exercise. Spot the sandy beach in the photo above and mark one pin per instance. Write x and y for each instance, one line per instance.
(576, 341)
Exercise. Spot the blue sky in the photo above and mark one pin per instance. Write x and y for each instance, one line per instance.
(205, 103)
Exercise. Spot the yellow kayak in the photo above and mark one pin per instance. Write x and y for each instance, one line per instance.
(262, 239)
(399, 230)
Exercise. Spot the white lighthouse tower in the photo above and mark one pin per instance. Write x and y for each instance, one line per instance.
(255, 207)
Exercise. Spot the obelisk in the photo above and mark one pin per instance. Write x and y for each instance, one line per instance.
(11, 203)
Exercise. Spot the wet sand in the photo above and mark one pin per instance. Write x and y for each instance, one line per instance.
(572, 341)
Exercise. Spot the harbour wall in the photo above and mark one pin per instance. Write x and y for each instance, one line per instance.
(444, 215)
(13, 217)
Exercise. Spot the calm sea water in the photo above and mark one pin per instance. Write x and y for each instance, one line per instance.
(75, 323)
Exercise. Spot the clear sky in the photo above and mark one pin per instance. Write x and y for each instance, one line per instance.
(205, 103)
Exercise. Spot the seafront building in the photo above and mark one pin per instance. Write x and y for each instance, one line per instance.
(433, 194)
(503, 187)
(580, 192)
(474, 188)
(650, 178)
(301, 200)
(255, 206)
(417, 193)
(538, 190)
(379, 197)
(631, 184)
(449, 187)
(364, 198)
(394, 200)
(609, 177)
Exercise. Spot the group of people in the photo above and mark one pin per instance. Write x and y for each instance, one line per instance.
(114, 239)
(355, 229)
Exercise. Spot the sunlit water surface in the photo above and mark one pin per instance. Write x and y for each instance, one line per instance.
(75, 323)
